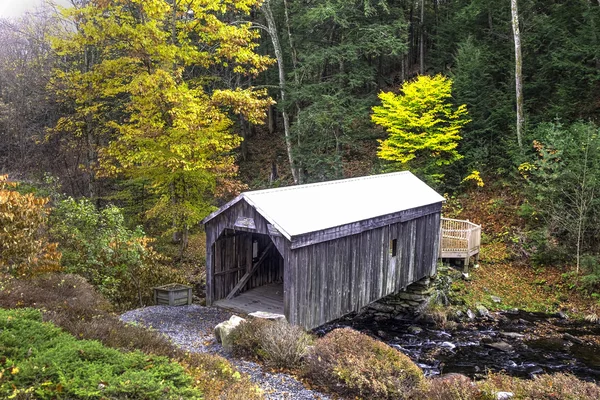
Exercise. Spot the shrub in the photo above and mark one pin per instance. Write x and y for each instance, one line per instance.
(55, 293)
(357, 365)
(74, 305)
(117, 260)
(544, 387)
(284, 345)
(452, 387)
(278, 343)
(24, 247)
(218, 379)
(50, 364)
(246, 338)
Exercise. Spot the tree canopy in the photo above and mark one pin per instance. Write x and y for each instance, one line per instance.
(141, 85)
(423, 125)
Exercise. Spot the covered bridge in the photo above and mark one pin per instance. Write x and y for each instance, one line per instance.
(317, 252)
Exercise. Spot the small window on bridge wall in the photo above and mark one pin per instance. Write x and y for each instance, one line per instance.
(254, 250)
(393, 247)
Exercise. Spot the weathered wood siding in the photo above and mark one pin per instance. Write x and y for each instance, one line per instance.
(330, 279)
(229, 247)
(326, 274)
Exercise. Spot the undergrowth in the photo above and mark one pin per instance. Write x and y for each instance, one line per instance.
(41, 361)
(75, 306)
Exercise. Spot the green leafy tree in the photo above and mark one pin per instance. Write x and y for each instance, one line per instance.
(564, 181)
(342, 53)
(152, 98)
(423, 125)
(97, 245)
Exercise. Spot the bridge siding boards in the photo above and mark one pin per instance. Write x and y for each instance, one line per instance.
(327, 273)
(338, 274)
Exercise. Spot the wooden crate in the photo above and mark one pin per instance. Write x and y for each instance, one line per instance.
(173, 294)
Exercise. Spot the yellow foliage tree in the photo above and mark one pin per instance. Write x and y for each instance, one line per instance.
(24, 248)
(423, 125)
(153, 90)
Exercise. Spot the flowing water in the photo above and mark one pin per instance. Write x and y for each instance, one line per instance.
(520, 344)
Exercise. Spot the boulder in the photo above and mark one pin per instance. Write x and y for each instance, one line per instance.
(223, 331)
(573, 339)
(448, 345)
(496, 299)
(384, 308)
(415, 330)
(267, 315)
(512, 335)
(470, 314)
(482, 311)
(504, 395)
(502, 346)
(562, 315)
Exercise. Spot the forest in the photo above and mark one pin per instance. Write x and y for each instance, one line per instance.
(124, 123)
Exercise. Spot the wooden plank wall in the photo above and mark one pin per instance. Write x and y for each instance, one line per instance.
(224, 253)
(233, 258)
(330, 279)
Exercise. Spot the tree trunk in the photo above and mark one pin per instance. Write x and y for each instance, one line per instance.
(518, 72)
(272, 30)
(422, 40)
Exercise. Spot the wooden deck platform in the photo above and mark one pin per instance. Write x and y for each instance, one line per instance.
(460, 239)
(267, 298)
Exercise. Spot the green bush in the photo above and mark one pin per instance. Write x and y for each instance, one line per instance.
(277, 343)
(115, 259)
(41, 361)
(71, 303)
(357, 365)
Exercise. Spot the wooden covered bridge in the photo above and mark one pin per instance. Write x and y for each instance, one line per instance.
(317, 252)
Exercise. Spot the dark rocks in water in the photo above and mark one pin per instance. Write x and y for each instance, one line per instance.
(574, 339)
(512, 335)
(502, 346)
(535, 370)
(486, 339)
(512, 311)
(448, 345)
(415, 330)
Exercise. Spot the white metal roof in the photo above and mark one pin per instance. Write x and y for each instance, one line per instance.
(296, 210)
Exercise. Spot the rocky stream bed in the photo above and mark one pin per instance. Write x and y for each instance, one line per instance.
(518, 343)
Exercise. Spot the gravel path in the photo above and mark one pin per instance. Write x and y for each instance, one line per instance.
(190, 327)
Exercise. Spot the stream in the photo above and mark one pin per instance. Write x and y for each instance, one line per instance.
(517, 343)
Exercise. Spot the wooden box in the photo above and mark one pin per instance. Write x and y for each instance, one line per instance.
(173, 294)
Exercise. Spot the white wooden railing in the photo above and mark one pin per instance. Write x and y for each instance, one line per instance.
(460, 238)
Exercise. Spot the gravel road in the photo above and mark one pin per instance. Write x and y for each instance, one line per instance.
(190, 327)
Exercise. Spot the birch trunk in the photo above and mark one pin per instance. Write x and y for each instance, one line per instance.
(422, 40)
(272, 30)
(518, 72)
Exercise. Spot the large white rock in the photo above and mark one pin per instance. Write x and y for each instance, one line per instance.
(223, 331)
